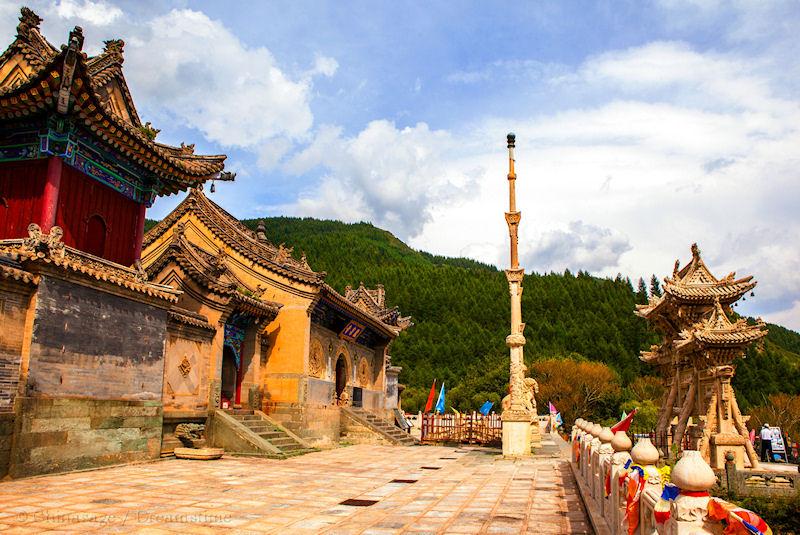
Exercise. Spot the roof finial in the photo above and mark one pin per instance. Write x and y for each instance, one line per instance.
(695, 252)
(28, 20)
(115, 47)
(261, 231)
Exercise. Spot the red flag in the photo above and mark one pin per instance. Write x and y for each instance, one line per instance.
(624, 425)
(429, 404)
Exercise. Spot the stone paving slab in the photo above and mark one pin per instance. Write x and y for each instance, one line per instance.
(474, 491)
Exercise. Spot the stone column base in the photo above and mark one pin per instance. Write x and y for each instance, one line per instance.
(516, 439)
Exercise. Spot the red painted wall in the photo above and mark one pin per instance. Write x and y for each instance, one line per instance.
(80, 200)
(95, 218)
(21, 188)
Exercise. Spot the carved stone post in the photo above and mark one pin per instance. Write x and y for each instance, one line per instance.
(689, 510)
(516, 416)
(594, 461)
(603, 465)
(586, 440)
(621, 444)
(646, 455)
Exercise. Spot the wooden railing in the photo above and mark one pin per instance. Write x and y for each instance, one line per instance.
(465, 428)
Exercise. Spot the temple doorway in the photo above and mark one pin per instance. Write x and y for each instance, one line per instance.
(341, 376)
(229, 373)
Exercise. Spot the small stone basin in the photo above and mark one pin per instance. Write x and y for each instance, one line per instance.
(199, 454)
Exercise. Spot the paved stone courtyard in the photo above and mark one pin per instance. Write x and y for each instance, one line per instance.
(444, 490)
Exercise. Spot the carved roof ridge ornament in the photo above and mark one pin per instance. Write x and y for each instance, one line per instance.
(283, 254)
(45, 245)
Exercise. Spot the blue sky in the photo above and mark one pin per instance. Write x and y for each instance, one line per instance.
(642, 126)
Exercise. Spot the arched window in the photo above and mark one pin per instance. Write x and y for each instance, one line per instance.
(95, 241)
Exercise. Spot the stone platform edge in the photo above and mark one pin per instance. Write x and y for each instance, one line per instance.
(595, 517)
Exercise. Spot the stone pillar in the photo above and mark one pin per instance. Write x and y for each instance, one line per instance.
(621, 444)
(604, 465)
(689, 510)
(586, 440)
(517, 413)
(646, 455)
(594, 460)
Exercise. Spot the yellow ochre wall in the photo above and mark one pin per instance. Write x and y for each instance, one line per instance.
(287, 336)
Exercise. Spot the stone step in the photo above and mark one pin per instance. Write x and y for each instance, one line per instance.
(260, 427)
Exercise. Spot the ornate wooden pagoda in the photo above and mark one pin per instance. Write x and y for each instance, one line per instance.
(696, 360)
(73, 151)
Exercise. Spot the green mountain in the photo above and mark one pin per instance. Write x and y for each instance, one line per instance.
(460, 308)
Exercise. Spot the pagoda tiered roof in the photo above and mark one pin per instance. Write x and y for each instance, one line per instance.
(38, 79)
(718, 331)
(695, 285)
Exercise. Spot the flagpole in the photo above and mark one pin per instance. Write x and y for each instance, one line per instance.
(516, 417)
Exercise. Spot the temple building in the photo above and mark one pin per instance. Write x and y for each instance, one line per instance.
(257, 329)
(105, 350)
(696, 361)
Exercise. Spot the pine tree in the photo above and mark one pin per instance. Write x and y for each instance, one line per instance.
(655, 286)
(641, 292)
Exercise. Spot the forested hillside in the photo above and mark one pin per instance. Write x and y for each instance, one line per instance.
(460, 308)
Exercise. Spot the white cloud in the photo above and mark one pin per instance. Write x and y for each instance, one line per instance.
(207, 79)
(788, 318)
(325, 66)
(99, 13)
(388, 175)
(579, 246)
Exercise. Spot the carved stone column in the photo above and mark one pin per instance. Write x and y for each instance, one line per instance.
(594, 460)
(689, 510)
(603, 465)
(516, 414)
(621, 444)
(646, 455)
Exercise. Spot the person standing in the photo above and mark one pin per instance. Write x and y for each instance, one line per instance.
(766, 443)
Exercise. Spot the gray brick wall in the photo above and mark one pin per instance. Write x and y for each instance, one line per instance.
(90, 343)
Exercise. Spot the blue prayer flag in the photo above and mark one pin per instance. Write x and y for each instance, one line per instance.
(486, 407)
(440, 401)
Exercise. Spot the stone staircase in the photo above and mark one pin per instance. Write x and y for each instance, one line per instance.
(287, 444)
(379, 426)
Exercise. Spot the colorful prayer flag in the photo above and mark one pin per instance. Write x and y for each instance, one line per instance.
(625, 424)
(440, 401)
(739, 521)
(661, 511)
(486, 407)
(429, 404)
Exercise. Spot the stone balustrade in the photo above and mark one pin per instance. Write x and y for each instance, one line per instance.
(607, 468)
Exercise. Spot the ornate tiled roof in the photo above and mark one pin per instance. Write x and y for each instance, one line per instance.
(210, 270)
(94, 92)
(374, 303)
(238, 237)
(187, 317)
(41, 250)
(329, 294)
(696, 285)
(719, 331)
(12, 270)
